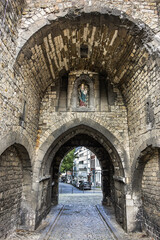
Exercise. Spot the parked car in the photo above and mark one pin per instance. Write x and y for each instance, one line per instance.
(85, 185)
(77, 183)
(69, 181)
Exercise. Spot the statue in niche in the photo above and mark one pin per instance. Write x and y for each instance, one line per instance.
(83, 95)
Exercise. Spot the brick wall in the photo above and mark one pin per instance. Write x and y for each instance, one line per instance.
(50, 119)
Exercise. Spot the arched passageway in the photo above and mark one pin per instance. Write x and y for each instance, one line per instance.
(113, 170)
(15, 190)
(62, 50)
(146, 192)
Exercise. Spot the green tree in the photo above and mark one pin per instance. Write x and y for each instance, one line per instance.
(67, 164)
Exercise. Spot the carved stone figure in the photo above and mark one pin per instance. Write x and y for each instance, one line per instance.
(83, 95)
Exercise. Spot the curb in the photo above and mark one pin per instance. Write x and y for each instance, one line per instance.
(117, 231)
(52, 219)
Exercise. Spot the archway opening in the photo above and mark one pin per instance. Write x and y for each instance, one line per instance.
(80, 178)
(15, 190)
(103, 156)
(146, 191)
(113, 184)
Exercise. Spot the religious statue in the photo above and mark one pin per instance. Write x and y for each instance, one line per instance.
(83, 95)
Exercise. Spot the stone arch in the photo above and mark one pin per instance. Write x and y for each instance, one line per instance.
(46, 18)
(16, 186)
(74, 120)
(18, 138)
(145, 178)
(50, 154)
(47, 145)
(153, 142)
(28, 48)
(105, 159)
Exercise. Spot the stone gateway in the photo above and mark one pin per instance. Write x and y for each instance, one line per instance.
(80, 73)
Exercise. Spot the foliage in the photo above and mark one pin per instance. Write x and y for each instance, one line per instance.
(67, 164)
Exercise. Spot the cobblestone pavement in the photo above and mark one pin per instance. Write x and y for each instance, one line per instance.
(86, 198)
(79, 220)
(80, 223)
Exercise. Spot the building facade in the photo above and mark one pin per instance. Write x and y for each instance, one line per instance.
(86, 167)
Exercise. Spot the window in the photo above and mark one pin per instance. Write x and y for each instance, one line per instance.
(84, 51)
(81, 162)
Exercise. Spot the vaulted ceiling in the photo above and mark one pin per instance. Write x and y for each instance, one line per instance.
(100, 43)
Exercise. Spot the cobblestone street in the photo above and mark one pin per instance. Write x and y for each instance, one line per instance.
(78, 223)
(76, 218)
(80, 218)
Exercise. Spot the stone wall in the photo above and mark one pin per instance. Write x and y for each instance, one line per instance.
(151, 196)
(114, 120)
(15, 190)
(10, 12)
(143, 101)
(146, 11)
(15, 89)
(10, 190)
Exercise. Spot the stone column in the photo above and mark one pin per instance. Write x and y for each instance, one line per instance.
(55, 186)
(55, 192)
(106, 187)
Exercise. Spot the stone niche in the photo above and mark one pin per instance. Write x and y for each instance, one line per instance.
(83, 91)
